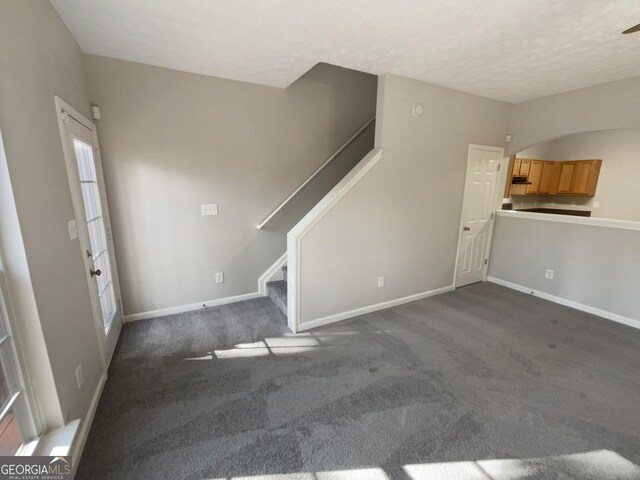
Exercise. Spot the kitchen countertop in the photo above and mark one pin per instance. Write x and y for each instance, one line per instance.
(557, 211)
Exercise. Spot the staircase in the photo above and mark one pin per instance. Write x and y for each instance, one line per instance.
(357, 161)
(277, 292)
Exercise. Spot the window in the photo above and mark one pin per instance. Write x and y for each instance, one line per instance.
(16, 423)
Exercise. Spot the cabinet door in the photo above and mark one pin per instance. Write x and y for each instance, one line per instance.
(546, 178)
(556, 169)
(581, 178)
(525, 165)
(594, 175)
(516, 166)
(535, 176)
(566, 177)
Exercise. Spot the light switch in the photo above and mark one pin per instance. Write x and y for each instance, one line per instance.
(209, 209)
(73, 229)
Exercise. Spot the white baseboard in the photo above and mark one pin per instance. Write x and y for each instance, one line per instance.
(568, 303)
(371, 308)
(191, 307)
(81, 439)
(271, 271)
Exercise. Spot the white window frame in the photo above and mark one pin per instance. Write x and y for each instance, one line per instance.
(18, 396)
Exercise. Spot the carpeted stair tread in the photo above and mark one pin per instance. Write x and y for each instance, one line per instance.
(277, 292)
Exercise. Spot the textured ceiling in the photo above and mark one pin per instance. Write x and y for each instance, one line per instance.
(511, 50)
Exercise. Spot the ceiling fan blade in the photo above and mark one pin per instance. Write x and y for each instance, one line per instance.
(632, 29)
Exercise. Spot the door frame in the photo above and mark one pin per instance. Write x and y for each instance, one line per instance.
(63, 109)
(498, 194)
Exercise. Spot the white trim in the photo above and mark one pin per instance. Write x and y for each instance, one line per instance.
(569, 303)
(28, 417)
(190, 307)
(592, 221)
(372, 308)
(271, 271)
(293, 283)
(28, 449)
(58, 442)
(79, 443)
(304, 226)
(313, 175)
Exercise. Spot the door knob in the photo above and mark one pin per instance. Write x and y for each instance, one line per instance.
(466, 229)
(95, 272)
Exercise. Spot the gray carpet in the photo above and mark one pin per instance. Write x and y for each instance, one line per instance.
(480, 383)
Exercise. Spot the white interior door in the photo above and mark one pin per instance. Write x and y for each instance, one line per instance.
(92, 219)
(478, 209)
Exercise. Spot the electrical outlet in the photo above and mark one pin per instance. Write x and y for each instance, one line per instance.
(209, 209)
(219, 277)
(380, 282)
(596, 204)
(79, 376)
(549, 274)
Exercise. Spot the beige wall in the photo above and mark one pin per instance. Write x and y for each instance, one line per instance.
(595, 266)
(17, 291)
(618, 194)
(609, 106)
(539, 152)
(401, 219)
(171, 141)
(39, 59)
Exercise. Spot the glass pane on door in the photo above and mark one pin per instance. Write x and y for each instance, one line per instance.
(95, 226)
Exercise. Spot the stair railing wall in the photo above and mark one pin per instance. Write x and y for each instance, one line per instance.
(261, 225)
(304, 226)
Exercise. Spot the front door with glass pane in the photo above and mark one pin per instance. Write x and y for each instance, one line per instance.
(92, 217)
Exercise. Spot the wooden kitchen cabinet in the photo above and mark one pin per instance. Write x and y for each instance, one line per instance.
(585, 177)
(535, 176)
(516, 166)
(546, 177)
(566, 177)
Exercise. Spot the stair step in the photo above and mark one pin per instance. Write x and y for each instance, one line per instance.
(277, 292)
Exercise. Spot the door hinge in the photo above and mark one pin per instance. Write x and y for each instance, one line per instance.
(119, 306)
(492, 215)
(486, 260)
(499, 166)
